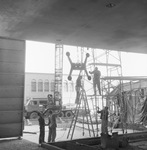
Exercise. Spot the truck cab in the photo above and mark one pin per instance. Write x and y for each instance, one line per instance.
(35, 105)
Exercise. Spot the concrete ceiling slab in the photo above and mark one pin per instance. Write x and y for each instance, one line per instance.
(108, 24)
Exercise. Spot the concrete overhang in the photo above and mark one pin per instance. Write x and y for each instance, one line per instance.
(107, 24)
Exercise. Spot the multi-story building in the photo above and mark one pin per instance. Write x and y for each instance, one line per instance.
(39, 85)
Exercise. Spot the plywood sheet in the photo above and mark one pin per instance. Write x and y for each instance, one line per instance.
(11, 91)
(11, 79)
(11, 56)
(13, 104)
(6, 67)
(12, 73)
(10, 117)
(10, 130)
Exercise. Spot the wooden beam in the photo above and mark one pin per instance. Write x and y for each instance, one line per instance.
(124, 78)
(105, 64)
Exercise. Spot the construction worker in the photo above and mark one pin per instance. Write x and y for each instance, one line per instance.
(96, 79)
(78, 88)
(52, 125)
(50, 99)
(42, 127)
(104, 118)
(26, 118)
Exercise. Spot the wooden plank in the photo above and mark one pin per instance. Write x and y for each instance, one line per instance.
(11, 130)
(12, 79)
(12, 56)
(62, 145)
(11, 104)
(87, 141)
(12, 44)
(8, 117)
(51, 147)
(78, 146)
(6, 67)
(105, 64)
(125, 78)
(11, 92)
(12, 70)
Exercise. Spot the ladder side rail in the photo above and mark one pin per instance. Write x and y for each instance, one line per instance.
(86, 104)
(72, 122)
(86, 113)
(96, 114)
(76, 117)
(90, 119)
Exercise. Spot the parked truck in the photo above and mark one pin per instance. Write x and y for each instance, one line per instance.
(35, 105)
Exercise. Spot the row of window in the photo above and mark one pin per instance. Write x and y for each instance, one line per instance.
(46, 86)
(42, 86)
(68, 86)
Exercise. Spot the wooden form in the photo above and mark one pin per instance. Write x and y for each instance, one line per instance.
(12, 74)
(93, 143)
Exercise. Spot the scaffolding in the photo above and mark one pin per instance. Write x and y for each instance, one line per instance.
(122, 100)
(112, 80)
(109, 63)
(58, 73)
(132, 102)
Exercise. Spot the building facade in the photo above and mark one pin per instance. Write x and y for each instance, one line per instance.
(39, 85)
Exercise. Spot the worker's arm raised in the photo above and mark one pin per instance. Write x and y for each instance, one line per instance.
(91, 72)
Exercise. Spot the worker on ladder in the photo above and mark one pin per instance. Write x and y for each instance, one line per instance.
(78, 88)
(96, 79)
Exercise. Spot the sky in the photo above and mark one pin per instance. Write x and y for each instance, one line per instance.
(40, 58)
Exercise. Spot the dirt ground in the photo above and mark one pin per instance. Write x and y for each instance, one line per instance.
(16, 144)
(30, 137)
(31, 133)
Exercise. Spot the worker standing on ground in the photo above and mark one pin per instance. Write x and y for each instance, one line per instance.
(52, 125)
(26, 118)
(96, 79)
(104, 119)
(78, 88)
(42, 127)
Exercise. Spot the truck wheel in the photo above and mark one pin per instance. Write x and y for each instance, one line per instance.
(61, 114)
(33, 115)
(68, 114)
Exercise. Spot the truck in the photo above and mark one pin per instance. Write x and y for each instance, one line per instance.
(35, 105)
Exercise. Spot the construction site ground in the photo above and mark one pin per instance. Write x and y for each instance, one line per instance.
(29, 141)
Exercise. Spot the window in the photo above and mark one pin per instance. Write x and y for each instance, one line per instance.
(46, 86)
(66, 86)
(42, 102)
(71, 86)
(40, 85)
(33, 102)
(33, 85)
(52, 86)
